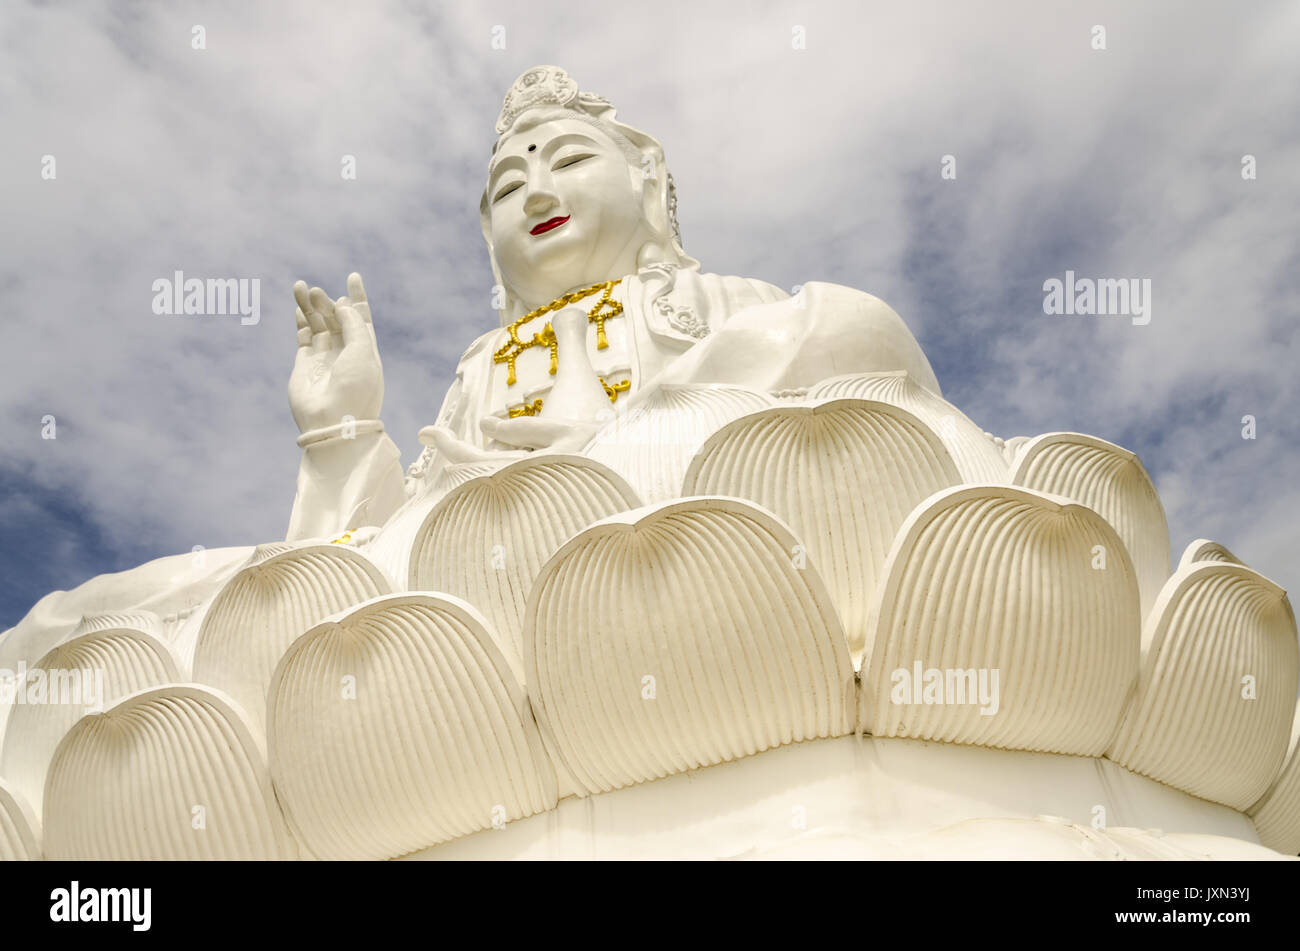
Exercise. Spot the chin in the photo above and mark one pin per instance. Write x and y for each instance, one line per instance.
(561, 264)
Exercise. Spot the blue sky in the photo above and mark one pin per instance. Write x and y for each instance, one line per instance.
(791, 165)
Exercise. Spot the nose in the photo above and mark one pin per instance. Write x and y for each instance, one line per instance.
(539, 201)
(541, 198)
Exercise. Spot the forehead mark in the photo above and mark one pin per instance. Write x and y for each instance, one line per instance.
(516, 160)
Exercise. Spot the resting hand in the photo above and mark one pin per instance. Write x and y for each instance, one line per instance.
(535, 432)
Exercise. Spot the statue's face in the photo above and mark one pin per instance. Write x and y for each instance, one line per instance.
(566, 209)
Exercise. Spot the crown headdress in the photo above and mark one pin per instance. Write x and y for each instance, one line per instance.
(543, 86)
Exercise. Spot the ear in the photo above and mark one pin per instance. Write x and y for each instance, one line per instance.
(654, 192)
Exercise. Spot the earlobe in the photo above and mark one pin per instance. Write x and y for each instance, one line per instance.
(651, 253)
(654, 210)
(654, 205)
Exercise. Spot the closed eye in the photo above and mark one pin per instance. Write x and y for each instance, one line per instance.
(506, 190)
(571, 160)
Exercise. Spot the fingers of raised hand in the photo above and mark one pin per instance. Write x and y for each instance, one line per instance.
(321, 303)
(356, 290)
(363, 310)
(304, 329)
(322, 323)
(352, 325)
(315, 320)
(302, 297)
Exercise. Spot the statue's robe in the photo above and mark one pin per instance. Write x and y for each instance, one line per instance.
(173, 588)
(678, 326)
(681, 326)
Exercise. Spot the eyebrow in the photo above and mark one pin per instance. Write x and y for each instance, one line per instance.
(517, 161)
(507, 163)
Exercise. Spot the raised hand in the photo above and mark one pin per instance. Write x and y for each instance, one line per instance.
(337, 372)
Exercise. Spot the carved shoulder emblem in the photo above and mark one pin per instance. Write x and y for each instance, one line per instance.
(682, 318)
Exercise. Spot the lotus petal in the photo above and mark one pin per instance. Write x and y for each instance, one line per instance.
(169, 773)
(400, 725)
(998, 581)
(682, 635)
(1112, 482)
(1216, 698)
(1205, 550)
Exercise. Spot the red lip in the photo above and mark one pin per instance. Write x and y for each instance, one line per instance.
(548, 225)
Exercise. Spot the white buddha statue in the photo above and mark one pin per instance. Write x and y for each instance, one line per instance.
(579, 216)
(821, 573)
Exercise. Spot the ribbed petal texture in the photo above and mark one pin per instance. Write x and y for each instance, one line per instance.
(171, 773)
(1112, 482)
(399, 726)
(679, 636)
(996, 578)
(1277, 814)
(19, 831)
(1216, 700)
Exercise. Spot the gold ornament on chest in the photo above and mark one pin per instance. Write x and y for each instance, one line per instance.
(604, 309)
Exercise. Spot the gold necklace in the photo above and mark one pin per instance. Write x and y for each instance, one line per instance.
(509, 353)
